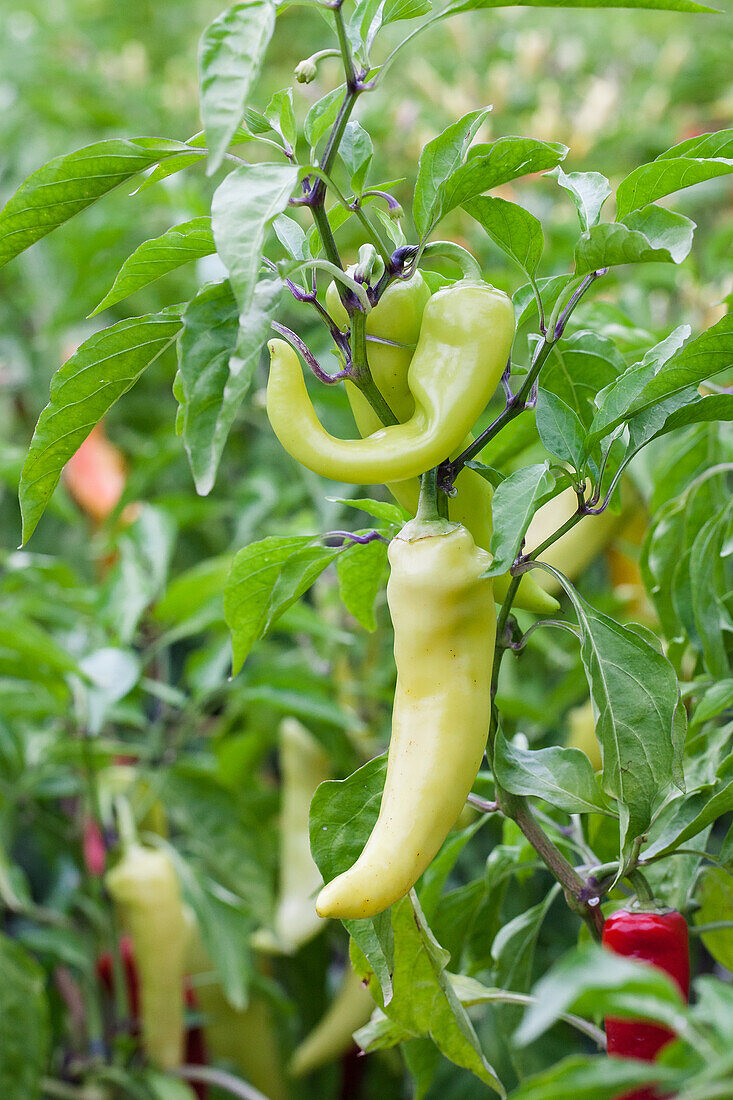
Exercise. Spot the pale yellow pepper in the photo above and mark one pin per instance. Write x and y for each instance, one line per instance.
(445, 627)
(332, 1036)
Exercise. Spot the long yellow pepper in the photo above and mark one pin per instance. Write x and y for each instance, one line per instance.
(465, 338)
(144, 884)
(445, 627)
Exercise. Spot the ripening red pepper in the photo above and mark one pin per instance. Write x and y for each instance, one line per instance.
(94, 848)
(662, 940)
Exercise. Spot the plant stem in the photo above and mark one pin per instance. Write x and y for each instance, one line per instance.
(218, 1077)
(573, 885)
(427, 505)
(361, 375)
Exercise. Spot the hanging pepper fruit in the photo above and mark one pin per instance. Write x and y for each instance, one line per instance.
(575, 550)
(332, 1036)
(303, 767)
(195, 1052)
(241, 1038)
(95, 475)
(582, 733)
(465, 340)
(445, 625)
(397, 317)
(144, 885)
(662, 940)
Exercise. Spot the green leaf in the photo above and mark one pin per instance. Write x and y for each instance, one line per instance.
(226, 927)
(393, 514)
(70, 183)
(616, 400)
(342, 816)
(424, 1000)
(436, 874)
(714, 895)
(111, 673)
(282, 116)
(513, 951)
(438, 159)
(422, 1059)
(592, 1077)
(292, 237)
(104, 367)
(456, 6)
(163, 1087)
(701, 358)
(517, 232)
(265, 579)
(139, 575)
(156, 257)
(242, 211)
(591, 981)
(717, 698)
(515, 502)
(21, 636)
(25, 1035)
(488, 166)
(685, 817)
(651, 235)
(361, 570)
(230, 59)
(560, 429)
(589, 191)
(207, 399)
(634, 692)
(580, 367)
(711, 580)
(371, 15)
(525, 303)
(356, 151)
(322, 115)
(704, 157)
(561, 776)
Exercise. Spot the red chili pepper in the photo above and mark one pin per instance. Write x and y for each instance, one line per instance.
(94, 848)
(662, 940)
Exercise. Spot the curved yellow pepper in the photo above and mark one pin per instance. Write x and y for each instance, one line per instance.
(332, 1036)
(397, 317)
(445, 627)
(465, 338)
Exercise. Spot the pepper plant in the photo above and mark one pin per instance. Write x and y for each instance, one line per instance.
(631, 426)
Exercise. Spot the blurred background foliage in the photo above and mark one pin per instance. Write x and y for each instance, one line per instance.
(139, 604)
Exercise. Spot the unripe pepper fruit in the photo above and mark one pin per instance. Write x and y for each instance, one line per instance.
(452, 376)
(444, 622)
(393, 330)
(662, 940)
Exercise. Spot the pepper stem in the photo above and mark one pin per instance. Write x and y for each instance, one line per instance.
(427, 505)
(642, 888)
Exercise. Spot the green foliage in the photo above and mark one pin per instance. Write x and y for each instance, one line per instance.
(116, 636)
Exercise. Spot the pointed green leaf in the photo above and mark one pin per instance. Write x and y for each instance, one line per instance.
(159, 255)
(70, 183)
(230, 59)
(106, 365)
